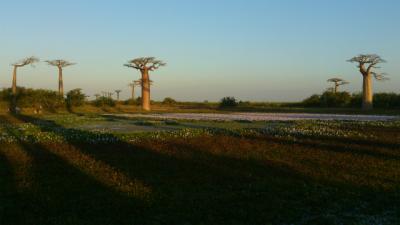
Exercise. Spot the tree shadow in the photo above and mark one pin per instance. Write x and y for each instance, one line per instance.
(344, 145)
(64, 194)
(8, 193)
(189, 185)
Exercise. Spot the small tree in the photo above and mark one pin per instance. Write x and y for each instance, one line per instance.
(337, 83)
(75, 98)
(118, 92)
(21, 63)
(132, 86)
(228, 102)
(366, 65)
(144, 65)
(60, 64)
(169, 101)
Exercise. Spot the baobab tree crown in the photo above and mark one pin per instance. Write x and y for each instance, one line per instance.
(145, 63)
(60, 63)
(367, 63)
(27, 61)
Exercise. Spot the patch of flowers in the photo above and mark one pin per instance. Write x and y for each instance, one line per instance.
(39, 131)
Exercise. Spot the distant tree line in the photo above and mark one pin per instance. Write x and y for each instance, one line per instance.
(345, 99)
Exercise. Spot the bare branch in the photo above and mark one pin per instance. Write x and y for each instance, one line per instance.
(27, 61)
(59, 63)
(380, 76)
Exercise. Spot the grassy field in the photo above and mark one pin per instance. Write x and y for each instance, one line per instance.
(209, 107)
(93, 169)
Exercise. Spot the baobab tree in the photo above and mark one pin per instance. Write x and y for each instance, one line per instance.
(118, 92)
(60, 64)
(366, 65)
(337, 83)
(144, 65)
(132, 86)
(22, 63)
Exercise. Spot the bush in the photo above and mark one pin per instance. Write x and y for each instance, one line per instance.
(312, 101)
(168, 101)
(75, 98)
(104, 101)
(339, 99)
(356, 100)
(344, 99)
(228, 102)
(387, 100)
(39, 98)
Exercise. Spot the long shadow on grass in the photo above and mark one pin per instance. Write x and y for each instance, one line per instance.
(65, 194)
(8, 187)
(191, 185)
(344, 145)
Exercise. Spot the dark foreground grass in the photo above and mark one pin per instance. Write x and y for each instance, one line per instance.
(210, 179)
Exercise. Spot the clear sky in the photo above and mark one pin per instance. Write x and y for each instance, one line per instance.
(262, 50)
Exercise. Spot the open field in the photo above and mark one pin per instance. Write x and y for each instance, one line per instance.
(261, 116)
(104, 169)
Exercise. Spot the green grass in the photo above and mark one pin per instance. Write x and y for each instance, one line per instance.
(198, 107)
(55, 171)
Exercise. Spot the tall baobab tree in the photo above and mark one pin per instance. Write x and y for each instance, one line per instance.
(118, 92)
(337, 83)
(60, 64)
(132, 86)
(22, 63)
(144, 65)
(366, 65)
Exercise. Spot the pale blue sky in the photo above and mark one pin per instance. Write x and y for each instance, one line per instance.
(271, 50)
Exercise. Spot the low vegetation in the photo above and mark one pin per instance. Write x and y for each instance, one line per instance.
(347, 100)
(61, 171)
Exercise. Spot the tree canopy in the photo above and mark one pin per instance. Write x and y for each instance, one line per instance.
(145, 63)
(368, 62)
(60, 63)
(27, 61)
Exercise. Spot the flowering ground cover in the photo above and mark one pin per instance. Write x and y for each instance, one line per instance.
(96, 169)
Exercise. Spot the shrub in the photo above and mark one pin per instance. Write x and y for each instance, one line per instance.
(312, 101)
(39, 98)
(104, 101)
(356, 100)
(339, 99)
(386, 100)
(75, 98)
(168, 101)
(228, 102)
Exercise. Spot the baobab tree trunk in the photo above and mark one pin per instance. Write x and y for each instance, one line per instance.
(145, 90)
(336, 88)
(367, 102)
(60, 82)
(14, 81)
(13, 107)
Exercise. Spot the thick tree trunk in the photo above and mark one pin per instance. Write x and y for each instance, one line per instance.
(367, 101)
(145, 90)
(14, 81)
(60, 82)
